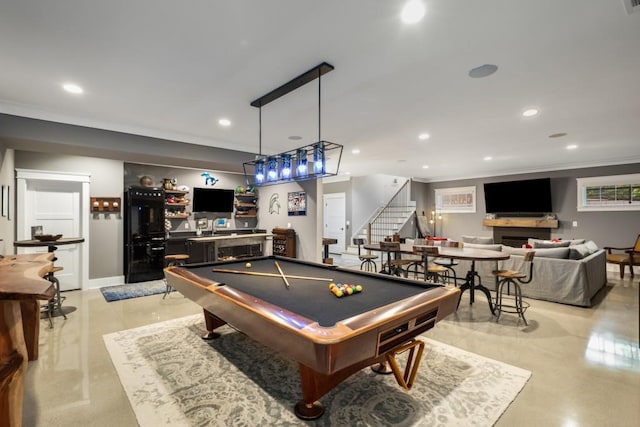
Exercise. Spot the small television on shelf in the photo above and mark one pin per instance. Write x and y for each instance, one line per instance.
(531, 196)
(213, 200)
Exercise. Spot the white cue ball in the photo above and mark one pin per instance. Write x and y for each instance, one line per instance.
(248, 265)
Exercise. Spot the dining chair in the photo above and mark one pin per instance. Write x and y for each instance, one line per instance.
(630, 257)
(395, 264)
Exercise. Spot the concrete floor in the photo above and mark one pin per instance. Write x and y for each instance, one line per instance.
(585, 361)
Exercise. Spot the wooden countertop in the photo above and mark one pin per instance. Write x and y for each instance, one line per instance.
(231, 237)
(21, 276)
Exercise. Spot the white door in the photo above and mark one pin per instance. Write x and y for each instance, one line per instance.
(55, 206)
(335, 220)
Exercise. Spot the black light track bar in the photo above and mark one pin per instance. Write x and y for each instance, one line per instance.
(293, 84)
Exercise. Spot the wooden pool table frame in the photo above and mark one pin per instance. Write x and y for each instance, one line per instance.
(326, 355)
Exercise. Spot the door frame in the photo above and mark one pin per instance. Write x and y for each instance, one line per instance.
(22, 178)
(342, 196)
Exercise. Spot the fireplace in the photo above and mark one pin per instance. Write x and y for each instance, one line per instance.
(518, 236)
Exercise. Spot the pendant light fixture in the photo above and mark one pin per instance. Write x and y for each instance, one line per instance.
(293, 165)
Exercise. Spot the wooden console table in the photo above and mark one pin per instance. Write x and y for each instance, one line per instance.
(21, 286)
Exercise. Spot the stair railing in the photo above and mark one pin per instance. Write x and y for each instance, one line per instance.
(385, 223)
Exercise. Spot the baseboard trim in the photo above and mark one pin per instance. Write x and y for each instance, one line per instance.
(104, 281)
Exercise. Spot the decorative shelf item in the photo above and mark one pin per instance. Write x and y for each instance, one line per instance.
(246, 205)
(318, 160)
(284, 242)
(176, 204)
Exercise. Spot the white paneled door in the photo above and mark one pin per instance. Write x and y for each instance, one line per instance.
(335, 220)
(56, 206)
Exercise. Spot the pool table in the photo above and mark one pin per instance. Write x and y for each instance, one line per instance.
(331, 338)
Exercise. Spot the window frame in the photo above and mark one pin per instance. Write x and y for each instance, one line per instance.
(605, 181)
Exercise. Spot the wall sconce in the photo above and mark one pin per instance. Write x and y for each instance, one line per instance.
(285, 166)
(259, 172)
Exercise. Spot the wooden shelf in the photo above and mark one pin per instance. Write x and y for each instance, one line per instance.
(175, 192)
(177, 204)
(521, 222)
(177, 216)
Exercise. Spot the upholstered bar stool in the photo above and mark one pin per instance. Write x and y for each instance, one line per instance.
(367, 259)
(170, 261)
(513, 304)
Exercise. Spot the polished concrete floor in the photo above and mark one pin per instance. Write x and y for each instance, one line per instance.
(585, 362)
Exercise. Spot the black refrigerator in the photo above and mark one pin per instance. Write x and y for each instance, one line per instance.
(144, 234)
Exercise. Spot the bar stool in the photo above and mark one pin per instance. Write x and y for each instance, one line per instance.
(54, 303)
(171, 261)
(449, 263)
(513, 277)
(367, 259)
(394, 266)
(434, 272)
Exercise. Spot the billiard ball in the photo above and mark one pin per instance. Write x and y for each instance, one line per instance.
(248, 265)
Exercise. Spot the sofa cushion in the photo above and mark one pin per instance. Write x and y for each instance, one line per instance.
(478, 240)
(579, 251)
(591, 245)
(550, 244)
(496, 247)
(577, 241)
(515, 251)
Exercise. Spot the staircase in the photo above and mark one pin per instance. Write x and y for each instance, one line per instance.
(386, 220)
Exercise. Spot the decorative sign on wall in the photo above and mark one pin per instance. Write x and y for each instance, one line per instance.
(274, 204)
(209, 179)
(297, 203)
(456, 200)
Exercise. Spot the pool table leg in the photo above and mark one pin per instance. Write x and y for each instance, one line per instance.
(211, 322)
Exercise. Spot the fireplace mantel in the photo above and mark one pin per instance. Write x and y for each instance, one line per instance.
(521, 222)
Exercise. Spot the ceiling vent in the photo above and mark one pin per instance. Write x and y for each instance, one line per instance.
(632, 6)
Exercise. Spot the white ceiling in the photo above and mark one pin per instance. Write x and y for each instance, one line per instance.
(171, 69)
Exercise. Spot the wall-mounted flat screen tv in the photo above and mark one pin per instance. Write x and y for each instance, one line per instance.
(212, 200)
(531, 196)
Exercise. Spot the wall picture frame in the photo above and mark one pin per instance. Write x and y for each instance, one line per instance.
(297, 203)
(456, 200)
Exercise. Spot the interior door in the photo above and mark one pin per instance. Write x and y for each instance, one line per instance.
(335, 220)
(55, 205)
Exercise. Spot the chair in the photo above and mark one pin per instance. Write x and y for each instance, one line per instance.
(54, 303)
(394, 266)
(367, 259)
(170, 261)
(449, 263)
(631, 257)
(434, 272)
(515, 278)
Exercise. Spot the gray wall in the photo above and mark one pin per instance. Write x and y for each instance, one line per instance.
(605, 228)
(105, 243)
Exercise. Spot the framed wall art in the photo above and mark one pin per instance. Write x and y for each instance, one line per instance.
(297, 203)
(456, 200)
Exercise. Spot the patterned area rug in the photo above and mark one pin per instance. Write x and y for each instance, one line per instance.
(133, 290)
(172, 377)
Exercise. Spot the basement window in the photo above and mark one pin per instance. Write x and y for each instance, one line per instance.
(609, 193)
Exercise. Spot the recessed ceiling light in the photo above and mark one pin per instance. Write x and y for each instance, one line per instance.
(530, 112)
(572, 146)
(483, 71)
(72, 88)
(424, 136)
(558, 135)
(355, 151)
(413, 11)
(224, 122)
(487, 158)
(425, 167)
(295, 138)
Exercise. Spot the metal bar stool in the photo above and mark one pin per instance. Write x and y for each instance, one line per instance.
(434, 272)
(514, 304)
(54, 303)
(395, 264)
(170, 261)
(367, 259)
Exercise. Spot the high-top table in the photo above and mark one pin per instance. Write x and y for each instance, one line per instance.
(471, 254)
(21, 286)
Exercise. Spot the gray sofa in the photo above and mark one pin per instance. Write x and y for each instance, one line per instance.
(568, 274)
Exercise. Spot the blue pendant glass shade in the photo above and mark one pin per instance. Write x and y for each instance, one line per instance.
(272, 169)
(301, 163)
(259, 172)
(318, 158)
(285, 166)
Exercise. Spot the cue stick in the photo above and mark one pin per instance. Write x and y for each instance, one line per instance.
(257, 273)
(286, 282)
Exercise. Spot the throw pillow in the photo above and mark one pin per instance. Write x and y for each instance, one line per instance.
(497, 248)
(559, 253)
(591, 245)
(577, 241)
(579, 251)
(478, 240)
(514, 251)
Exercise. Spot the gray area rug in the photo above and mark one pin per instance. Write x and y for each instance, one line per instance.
(172, 377)
(133, 290)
